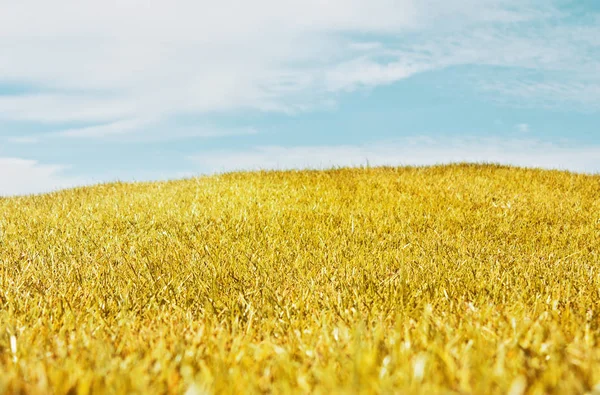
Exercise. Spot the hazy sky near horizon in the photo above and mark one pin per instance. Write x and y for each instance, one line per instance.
(146, 90)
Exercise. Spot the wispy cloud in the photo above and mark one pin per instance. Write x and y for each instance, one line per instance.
(565, 93)
(364, 72)
(65, 107)
(110, 129)
(136, 131)
(523, 127)
(409, 151)
(23, 140)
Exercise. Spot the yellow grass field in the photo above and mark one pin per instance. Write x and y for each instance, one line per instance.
(446, 279)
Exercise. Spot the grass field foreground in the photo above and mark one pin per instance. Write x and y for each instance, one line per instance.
(446, 279)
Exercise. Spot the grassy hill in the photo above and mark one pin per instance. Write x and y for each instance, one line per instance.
(461, 278)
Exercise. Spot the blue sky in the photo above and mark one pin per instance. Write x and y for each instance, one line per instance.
(142, 90)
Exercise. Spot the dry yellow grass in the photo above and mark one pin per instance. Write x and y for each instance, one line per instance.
(449, 279)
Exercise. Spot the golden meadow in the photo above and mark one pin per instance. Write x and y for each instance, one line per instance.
(446, 279)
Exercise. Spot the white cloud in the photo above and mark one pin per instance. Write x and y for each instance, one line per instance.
(21, 176)
(114, 62)
(409, 151)
(523, 127)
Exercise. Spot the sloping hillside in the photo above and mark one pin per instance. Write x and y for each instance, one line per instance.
(464, 278)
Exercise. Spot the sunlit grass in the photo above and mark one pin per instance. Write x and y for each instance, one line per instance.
(464, 278)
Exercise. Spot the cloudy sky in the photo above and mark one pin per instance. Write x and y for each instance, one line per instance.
(142, 90)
